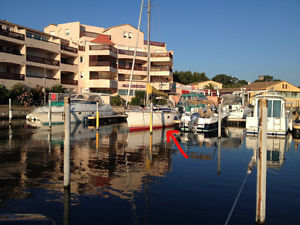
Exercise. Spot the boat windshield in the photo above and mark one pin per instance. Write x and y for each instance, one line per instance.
(193, 100)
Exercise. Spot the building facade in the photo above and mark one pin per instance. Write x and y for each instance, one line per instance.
(106, 58)
(34, 58)
(82, 58)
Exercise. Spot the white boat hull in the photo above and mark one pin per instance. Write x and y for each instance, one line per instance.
(140, 120)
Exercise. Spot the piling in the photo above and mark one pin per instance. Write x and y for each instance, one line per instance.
(262, 164)
(219, 121)
(66, 207)
(10, 114)
(50, 114)
(151, 117)
(219, 157)
(67, 157)
(97, 115)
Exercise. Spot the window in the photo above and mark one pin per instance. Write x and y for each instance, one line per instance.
(130, 35)
(67, 32)
(125, 91)
(125, 34)
(81, 59)
(282, 86)
(81, 74)
(286, 86)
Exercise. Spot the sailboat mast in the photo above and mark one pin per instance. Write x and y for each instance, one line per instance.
(148, 55)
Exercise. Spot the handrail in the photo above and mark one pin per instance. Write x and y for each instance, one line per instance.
(161, 68)
(41, 77)
(14, 52)
(103, 63)
(128, 67)
(102, 47)
(42, 60)
(38, 38)
(128, 52)
(68, 48)
(70, 82)
(12, 34)
(162, 54)
(155, 43)
(12, 76)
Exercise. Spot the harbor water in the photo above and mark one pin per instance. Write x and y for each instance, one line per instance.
(118, 177)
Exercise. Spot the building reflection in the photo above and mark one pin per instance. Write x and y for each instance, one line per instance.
(112, 162)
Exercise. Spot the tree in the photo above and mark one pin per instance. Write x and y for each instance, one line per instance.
(240, 83)
(4, 93)
(226, 80)
(187, 77)
(210, 86)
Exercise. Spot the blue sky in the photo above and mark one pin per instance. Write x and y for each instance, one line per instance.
(244, 38)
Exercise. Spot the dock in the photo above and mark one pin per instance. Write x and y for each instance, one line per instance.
(234, 122)
(103, 120)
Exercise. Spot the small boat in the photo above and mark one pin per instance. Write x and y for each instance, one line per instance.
(163, 116)
(81, 106)
(198, 113)
(279, 121)
(232, 106)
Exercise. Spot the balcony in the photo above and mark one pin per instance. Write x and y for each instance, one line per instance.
(67, 50)
(165, 57)
(67, 67)
(127, 54)
(12, 57)
(136, 67)
(69, 82)
(103, 83)
(155, 43)
(42, 60)
(12, 76)
(161, 71)
(103, 66)
(33, 80)
(103, 50)
(12, 35)
(41, 43)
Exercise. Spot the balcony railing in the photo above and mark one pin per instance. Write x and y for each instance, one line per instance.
(68, 48)
(103, 63)
(42, 60)
(12, 76)
(14, 52)
(12, 34)
(155, 43)
(128, 67)
(162, 68)
(128, 52)
(39, 38)
(102, 47)
(41, 77)
(163, 54)
(70, 82)
(81, 48)
(88, 34)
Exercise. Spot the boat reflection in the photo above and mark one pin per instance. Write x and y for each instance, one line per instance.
(111, 162)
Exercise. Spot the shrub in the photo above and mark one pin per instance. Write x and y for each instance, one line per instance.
(135, 101)
(57, 89)
(16, 91)
(25, 99)
(4, 95)
(37, 95)
(117, 100)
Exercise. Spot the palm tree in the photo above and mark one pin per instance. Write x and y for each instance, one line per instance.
(210, 86)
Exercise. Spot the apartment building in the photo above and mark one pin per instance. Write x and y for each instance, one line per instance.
(34, 58)
(106, 57)
(82, 58)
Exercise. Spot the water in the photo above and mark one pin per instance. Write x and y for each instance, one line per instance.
(121, 180)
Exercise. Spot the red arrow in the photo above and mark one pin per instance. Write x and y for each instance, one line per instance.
(170, 135)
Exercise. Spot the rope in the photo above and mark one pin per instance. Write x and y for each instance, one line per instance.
(236, 199)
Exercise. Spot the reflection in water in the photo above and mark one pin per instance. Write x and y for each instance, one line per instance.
(111, 160)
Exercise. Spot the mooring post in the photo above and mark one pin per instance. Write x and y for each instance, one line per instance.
(10, 114)
(67, 206)
(151, 117)
(219, 121)
(262, 164)
(97, 115)
(67, 157)
(50, 114)
(219, 157)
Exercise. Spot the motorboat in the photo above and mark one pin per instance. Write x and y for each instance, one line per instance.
(233, 107)
(81, 106)
(198, 113)
(279, 120)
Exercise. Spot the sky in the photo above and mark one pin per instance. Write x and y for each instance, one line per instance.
(240, 38)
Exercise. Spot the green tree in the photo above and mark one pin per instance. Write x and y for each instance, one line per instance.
(57, 89)
(210, 86)
(117, 100)
(226, 80)
(4, 94)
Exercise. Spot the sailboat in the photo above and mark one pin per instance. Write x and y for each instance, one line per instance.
(140, 119)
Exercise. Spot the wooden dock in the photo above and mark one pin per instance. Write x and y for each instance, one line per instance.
(234, 122)
(103, 120)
